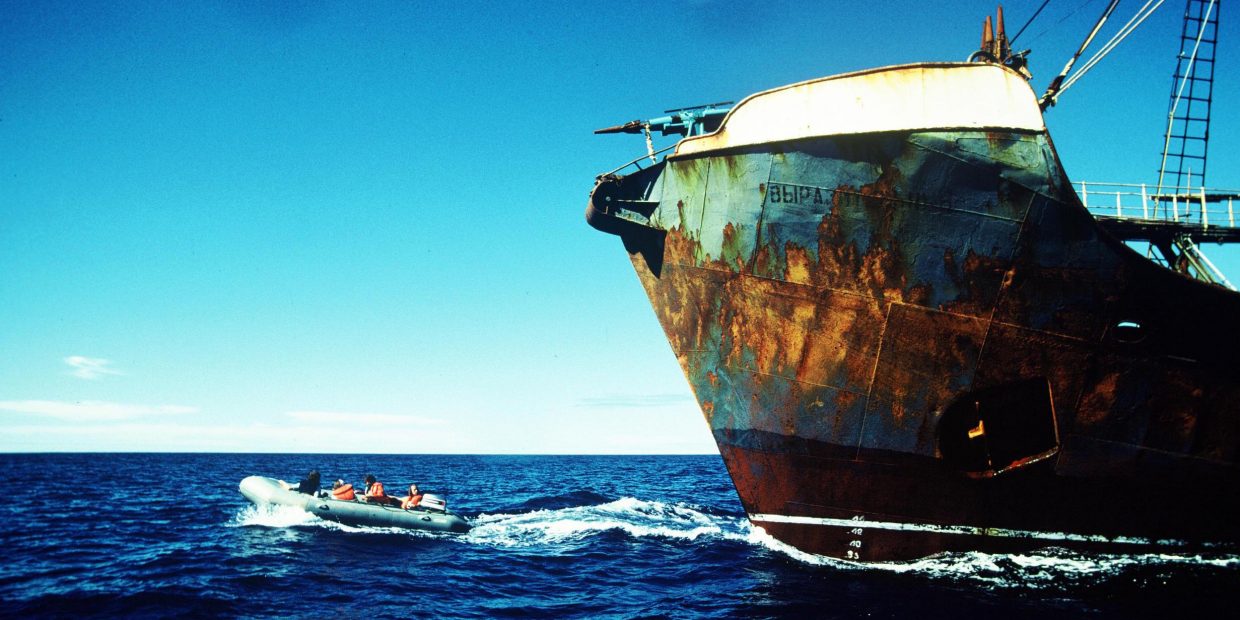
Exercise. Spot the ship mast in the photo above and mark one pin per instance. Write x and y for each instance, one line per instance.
(1187, 137)
(1179, 212)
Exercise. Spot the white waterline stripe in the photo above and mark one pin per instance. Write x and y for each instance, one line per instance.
(964, 530)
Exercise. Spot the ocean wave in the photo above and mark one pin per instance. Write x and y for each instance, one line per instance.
(277, 516)
(156, 602)
(1048, 569)
(273, 515)
(540, 527)
(555, 502)
(633, 517)
(1051, 568)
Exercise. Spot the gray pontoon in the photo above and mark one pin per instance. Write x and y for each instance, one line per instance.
(261, 490)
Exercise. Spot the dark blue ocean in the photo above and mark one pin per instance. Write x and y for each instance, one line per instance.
(168, 535)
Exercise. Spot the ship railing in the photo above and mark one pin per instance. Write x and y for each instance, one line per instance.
(1174, 221)
(1190, 207)
(637, 163)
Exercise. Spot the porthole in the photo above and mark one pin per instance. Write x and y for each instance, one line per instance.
(1128, 332)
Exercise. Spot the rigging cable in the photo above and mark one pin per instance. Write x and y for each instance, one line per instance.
(1123, 33)
(1063, 19)
(1035, 16)
(1052, 91)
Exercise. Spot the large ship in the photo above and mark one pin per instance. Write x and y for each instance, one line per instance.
(909, 334)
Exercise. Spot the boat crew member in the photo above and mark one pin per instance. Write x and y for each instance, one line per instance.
(412, 499)
(374, 491)
(343, 491)
(310, 484)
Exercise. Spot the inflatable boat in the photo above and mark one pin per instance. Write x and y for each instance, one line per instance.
(432, 517)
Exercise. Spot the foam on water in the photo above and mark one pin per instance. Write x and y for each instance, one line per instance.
(1051, 570)
(273, 515)
(1044, 569)
(635, 517)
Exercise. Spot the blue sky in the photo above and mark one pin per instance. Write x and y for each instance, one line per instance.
(357, 227)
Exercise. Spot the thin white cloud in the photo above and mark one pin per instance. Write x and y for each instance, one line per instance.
(91, 410)
(142, 436)
(355, 419)
(90, 368)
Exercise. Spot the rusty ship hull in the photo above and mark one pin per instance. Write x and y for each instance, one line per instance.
(908, 335)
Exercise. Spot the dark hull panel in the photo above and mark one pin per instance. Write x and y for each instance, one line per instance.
(876, 505)
(925, 332)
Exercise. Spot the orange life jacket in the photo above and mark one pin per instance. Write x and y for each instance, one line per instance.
(411, 501)
(375, 490)
(344, 493)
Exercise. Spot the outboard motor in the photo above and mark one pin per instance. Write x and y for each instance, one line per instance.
(433, 502)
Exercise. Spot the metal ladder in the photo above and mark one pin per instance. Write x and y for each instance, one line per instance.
(1192, 90)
